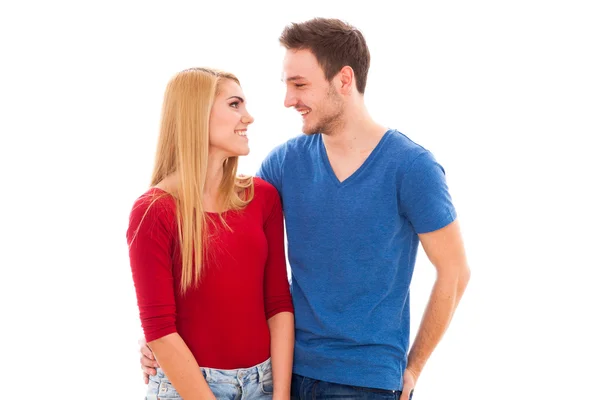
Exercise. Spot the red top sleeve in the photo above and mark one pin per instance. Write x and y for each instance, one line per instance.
(150, 239)
(277, 292)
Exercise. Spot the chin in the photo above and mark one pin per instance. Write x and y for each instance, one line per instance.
(311, 128)
(238, 152)
(309, 131)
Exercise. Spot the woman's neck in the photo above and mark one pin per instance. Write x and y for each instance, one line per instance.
(210, 195)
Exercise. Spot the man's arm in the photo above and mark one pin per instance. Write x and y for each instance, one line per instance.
(147, 360)
(444, 248)
(271, 169)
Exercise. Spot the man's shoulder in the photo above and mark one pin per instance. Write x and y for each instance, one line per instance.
(293, 148)
(400, 141)
(297, 143)
(402, 149)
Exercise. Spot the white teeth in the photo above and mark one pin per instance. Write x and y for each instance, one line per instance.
(240, 133)
(304, 112)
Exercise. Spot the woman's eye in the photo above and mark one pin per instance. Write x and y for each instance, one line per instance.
(235, 104)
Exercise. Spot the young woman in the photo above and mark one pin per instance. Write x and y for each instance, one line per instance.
(207, 254)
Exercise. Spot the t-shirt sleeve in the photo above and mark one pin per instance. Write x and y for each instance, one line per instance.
(150, 240)
(424, 196)
(271, 169)
(276, 286)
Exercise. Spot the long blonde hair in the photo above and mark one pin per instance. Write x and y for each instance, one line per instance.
(183, 146)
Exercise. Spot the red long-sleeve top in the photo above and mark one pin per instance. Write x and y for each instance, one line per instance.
(223, 320)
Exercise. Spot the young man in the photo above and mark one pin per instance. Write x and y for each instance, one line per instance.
(358, 198)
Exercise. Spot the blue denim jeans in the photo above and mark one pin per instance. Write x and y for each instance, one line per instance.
(227, 384)
(304, 388)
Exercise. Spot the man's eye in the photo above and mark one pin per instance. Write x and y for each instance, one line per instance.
(300, 84)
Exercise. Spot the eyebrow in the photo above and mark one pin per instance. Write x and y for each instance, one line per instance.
(293, 78)
(236, 97)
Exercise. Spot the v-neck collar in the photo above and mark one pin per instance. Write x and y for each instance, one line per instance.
(363, 166)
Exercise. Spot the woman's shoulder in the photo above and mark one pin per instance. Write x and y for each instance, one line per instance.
(263, 188)
(264, 195)
(154, 201)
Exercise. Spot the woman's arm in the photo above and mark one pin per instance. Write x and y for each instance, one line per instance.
(278, 301)
(150, 237)
(180, 366)
(281, 327)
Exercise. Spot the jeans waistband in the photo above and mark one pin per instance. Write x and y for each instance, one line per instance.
(256, 372)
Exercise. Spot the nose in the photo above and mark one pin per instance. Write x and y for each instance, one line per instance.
(290, 100)
(247, 119)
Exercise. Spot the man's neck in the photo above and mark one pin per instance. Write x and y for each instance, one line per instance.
(356, 133)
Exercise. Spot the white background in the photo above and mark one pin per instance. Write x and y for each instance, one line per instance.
(506, 95)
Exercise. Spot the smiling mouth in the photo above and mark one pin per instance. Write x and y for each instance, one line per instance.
(304, 113)
(240, 132)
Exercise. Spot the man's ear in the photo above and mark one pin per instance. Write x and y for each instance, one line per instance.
(346, 79)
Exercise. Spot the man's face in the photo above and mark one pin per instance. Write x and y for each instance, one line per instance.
(310, 93)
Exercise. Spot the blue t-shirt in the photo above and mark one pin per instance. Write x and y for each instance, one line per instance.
(352, 247)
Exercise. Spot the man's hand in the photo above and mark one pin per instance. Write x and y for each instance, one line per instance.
(409, 382)
(147, 360)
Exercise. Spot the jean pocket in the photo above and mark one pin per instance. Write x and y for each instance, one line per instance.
(167, 391)
(266, 383)
(159, 389)
(266, 386)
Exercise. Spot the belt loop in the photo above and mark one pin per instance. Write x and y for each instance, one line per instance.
(260, 373)
(206, 374)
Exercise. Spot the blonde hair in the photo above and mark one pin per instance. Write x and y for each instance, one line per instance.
(183, 146)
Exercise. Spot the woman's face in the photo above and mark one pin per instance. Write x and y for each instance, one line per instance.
(229, 121)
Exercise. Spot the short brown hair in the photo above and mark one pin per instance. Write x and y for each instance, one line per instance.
(334, 43)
